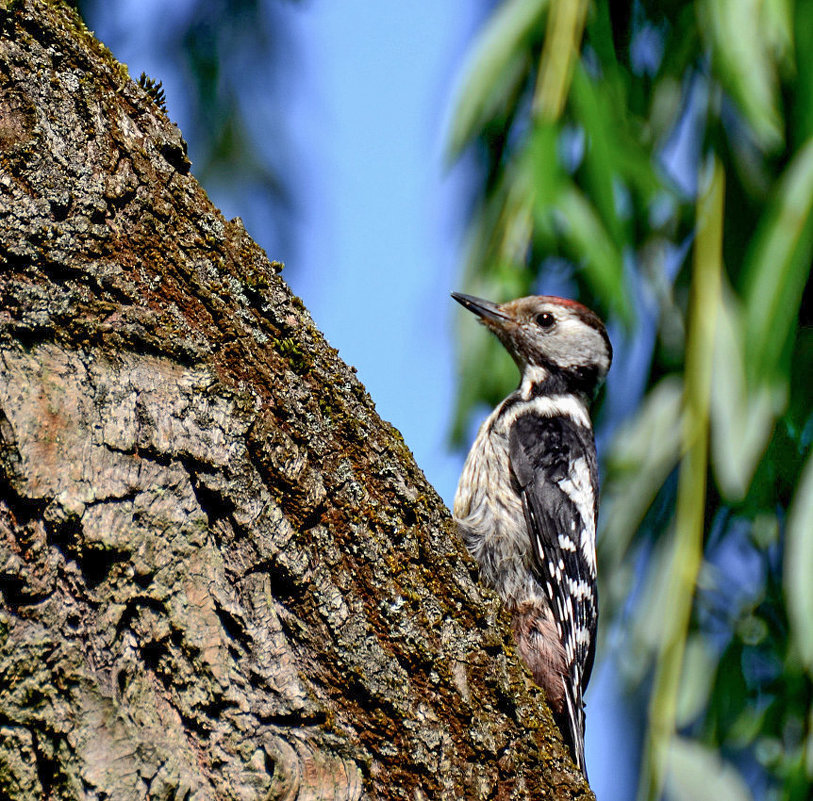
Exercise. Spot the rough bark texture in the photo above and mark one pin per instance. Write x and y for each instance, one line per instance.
(222, 575)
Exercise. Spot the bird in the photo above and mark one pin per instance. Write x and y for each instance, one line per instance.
(527, 502)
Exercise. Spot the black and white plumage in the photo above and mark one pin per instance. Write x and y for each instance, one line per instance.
(527, 501)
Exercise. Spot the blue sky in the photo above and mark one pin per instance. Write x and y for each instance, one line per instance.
(377, 272)
(378, 229)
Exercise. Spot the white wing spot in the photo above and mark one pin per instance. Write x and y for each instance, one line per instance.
(579, 488)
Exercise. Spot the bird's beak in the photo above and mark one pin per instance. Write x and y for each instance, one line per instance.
(482, 308)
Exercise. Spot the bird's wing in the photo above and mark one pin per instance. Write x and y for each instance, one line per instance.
(553, 461)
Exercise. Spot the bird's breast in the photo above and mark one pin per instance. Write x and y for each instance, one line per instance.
(489, 514)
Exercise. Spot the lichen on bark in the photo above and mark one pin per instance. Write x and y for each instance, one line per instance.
(222, 575)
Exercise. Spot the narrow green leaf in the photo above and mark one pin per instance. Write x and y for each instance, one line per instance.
(590, 243)
(745, 67)
(777, 31)
(563, 39)
(742, 415)
(500, 232)
(601, 165)
(777, 266)
(803, 34)
(681, 577)
(798, 564)
(541, 163)
(498, 62)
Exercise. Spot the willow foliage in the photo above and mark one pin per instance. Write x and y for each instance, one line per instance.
(656, 160)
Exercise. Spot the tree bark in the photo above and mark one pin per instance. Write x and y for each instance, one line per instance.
(222, 575)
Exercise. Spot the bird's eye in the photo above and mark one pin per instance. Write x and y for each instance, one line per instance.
(545, 320)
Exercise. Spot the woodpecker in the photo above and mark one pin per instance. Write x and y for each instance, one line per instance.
(527, 502)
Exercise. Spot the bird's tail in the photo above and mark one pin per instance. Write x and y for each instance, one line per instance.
(571, 723)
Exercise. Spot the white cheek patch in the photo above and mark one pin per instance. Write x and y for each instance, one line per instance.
(577, 344)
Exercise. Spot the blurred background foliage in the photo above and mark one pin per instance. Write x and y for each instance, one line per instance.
(226, 66)
(655, 160)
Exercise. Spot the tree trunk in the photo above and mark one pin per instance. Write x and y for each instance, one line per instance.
(223, 576)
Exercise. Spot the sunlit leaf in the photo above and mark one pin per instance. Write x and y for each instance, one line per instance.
(777, 31)
(696, 773)
(747, 725)
(778, 264)
(561, 50)
(541, 164)
(742, 415)
(498, 62)
(798, 566)
(515, 227)
(734, 31)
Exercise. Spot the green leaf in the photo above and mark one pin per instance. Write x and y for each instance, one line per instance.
(590, 243)
(742, 416)
(499, 237)
(541, 163)
(498, 63)
(798, 564)
(602, 168)
(696, 773)
(563, 39)
(803, 32)
(777, 266)
(777, 31)
(744, 65)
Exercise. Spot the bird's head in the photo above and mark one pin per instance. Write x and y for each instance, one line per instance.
(554, 341)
